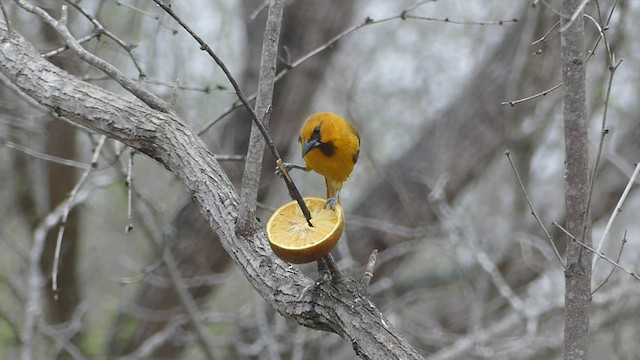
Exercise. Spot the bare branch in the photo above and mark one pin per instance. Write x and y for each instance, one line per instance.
(458, 22)
(65, 215)
(578, 11)
(293, 190)
(99, 30)
(63, 334)
(544, 37)
(149, 346)
(43, 156)
(7, 20)
(613, 269)
(543, 93)
(500, 283)
(133, 87)
(533, 211)
(595, 45)
(616, 210)
(603, 132)
(368, 272)
(266, 81)
(193, 313)
(129, 185)
(599, 254)
(33, 306)
(64, 48)
(164, 137)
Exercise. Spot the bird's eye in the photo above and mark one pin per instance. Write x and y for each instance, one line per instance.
(316, 132)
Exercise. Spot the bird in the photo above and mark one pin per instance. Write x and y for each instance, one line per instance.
(330, 146)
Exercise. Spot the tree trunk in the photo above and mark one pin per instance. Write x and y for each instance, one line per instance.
(578, 222)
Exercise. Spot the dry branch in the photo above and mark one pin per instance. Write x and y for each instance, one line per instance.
(342, 307)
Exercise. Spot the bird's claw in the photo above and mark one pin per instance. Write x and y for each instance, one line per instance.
(288, 166)
(331, 202)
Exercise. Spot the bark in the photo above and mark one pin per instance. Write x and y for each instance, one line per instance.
(341, 307)
(578, 222)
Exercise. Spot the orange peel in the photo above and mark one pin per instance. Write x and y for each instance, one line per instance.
(293, 240)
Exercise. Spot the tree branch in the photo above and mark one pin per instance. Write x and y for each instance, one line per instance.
(342, 307)
(253, 165)
(113, 72)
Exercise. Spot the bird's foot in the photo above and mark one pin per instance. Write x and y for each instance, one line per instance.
(288, 166)
(331, 202)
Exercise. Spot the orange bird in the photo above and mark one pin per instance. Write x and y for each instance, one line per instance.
(330, 146)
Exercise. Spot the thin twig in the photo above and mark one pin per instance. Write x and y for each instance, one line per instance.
(221, 157)
(33, 304)
(613, 269)
(552, 8)
(499, 282)
(63, 336)
(616, 211)
(597, 253)
(575, 15)
(204, 89)
(43, 156)
(191, 307)
(129, 185)
(268, 336)
(64, 48)
(206, 48)
(7, 19)
(150, 345)
(258, 10)
(99, 30)
(368, 272)
(65, 215)
(419, 4)
(593, 49)
(543, 93)
(266, 81)
(113, 72)
(544, 37)
(293, 190)
(458, 22)
(610, 55)
(533, 211)
(603, 133)
(290, 66)
(12, 323)
(327, 45)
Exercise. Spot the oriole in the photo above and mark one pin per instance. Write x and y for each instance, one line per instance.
(330, 146)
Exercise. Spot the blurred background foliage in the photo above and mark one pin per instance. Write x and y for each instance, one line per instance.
(464, 270)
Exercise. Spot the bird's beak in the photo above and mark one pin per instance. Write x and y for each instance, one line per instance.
(309, 145)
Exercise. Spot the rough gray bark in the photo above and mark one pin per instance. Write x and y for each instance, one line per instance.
(343, 308)
(578, 263)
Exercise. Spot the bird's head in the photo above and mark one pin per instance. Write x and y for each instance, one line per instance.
(317, 132)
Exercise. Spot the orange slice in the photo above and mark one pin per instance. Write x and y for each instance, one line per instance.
(294, 241)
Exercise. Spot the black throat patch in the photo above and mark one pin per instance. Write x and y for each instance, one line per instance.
(327, 149)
